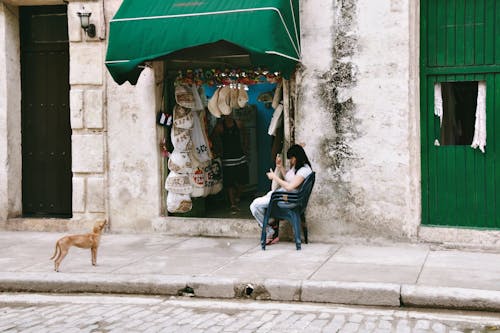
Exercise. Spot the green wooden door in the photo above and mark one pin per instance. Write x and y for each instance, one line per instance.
(460, 46)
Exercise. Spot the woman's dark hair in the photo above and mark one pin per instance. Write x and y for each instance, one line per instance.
(300, 155)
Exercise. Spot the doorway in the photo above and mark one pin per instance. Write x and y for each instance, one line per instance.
(459, 54)
(45, 113)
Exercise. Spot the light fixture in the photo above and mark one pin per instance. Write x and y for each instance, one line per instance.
(88, 27)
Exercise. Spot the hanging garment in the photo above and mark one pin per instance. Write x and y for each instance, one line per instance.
(197, 178)
(201, 148)
(146, 90)
(479, 140)
(278, 93)
(276, 120)
(213, 177)
(438, 103)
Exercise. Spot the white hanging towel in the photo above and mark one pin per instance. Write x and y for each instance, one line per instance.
(479, 140)
(438, 102)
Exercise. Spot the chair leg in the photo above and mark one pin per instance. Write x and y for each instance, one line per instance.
(304, 227)
(296, 230)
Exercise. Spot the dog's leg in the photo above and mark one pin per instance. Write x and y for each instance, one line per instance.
(55, 250)
(56, 256)
(93, 251)
(62, 254)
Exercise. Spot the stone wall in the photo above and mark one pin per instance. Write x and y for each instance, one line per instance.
(10, 113)
(87, 114)
(358, 94)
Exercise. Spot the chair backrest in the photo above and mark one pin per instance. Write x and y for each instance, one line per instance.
(306, 189)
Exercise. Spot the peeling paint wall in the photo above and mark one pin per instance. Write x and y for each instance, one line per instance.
(361, 103)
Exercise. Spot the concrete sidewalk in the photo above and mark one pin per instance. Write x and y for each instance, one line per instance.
(392, 274)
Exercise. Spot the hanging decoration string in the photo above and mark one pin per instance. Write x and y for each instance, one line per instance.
(217, 77)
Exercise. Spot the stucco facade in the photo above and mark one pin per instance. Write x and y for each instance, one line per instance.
(357, 112)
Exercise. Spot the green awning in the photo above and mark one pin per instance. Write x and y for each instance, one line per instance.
(266, 30)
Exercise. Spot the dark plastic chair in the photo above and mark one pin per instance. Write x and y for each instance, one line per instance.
(289, 206)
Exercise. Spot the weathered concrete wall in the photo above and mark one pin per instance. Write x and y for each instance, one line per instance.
(10, 113)
(134, 169)
(133, 148)
(360, 100)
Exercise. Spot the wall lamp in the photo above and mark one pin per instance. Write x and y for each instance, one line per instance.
(88, 27)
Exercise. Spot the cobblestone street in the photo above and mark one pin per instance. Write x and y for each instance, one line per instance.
(98, 313)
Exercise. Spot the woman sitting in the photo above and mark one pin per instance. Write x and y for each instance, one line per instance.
(300, 168)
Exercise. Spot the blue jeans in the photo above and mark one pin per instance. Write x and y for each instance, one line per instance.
(258, 208)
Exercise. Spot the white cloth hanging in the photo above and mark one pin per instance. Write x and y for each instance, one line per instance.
(438, 102)
(479, 140)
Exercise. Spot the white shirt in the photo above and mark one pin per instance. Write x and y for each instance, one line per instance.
(303, 172)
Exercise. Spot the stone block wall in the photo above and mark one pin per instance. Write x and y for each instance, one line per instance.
(87, 113)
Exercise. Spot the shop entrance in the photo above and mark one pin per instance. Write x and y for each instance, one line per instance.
(253, 122)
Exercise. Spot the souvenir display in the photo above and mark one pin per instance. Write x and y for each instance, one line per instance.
(178, 183)
(178, 203)
(180, 162)
(183, 117)
(184, 96)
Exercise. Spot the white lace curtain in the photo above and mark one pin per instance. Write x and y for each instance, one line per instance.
(479, 139)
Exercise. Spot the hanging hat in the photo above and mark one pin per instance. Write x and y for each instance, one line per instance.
(178, 203)
(181, 139)
(242, 97)
(183, 118)
(184, 96)
(212, 104)
(234, 98)
(178, 183)
(224, 101)
(180, 162)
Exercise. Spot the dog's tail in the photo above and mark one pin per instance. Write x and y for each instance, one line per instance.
(55, 251)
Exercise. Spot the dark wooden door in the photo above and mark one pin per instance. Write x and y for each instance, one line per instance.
(46, 130)
(460, 46)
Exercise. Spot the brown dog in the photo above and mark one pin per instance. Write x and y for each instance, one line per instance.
(85, 241)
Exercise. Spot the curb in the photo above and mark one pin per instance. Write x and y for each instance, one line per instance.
(348, 293)
(450, 298)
